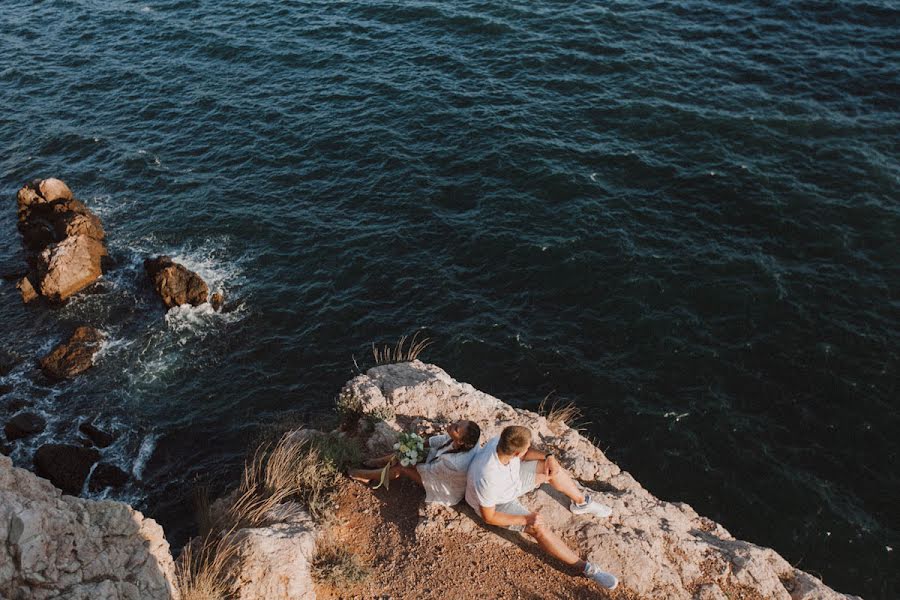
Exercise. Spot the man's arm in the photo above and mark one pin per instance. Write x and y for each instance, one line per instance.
(492, 517)
(533, 454)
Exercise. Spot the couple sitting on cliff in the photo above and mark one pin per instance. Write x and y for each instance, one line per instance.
(492, 479)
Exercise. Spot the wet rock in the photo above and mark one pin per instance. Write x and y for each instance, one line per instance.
(8, 362)
(27, 290)
(106, 475)
(5, 389)
(24, 424)
(5, 449)
(175, 283)
(69, 266)
(17, 404)
(74, 356)
(66, 466)
(217, 300)
(99, 437)
(63, 238)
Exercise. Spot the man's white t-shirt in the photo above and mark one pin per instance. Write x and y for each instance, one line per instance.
(490, 482)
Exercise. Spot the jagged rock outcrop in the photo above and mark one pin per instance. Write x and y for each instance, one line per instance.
(66, 466)
(98, 437)
(74, 356)
(24, 424)
(176, 284)
(657, 549)
(68, 548)
(63, 240)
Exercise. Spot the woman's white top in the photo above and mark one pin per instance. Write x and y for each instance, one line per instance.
(444, 472)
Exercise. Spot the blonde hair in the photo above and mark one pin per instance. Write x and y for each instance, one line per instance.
(514, 439)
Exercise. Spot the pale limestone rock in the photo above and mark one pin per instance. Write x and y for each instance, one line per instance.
(64, 547)
(657, 549)
(274, 561)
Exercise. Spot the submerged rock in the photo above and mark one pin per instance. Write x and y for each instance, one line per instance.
(63, 238)
(73, 357)
(175, 283)
(106, 475)
(65, 465)
(100, 438)
(58, 546)
(24, 424)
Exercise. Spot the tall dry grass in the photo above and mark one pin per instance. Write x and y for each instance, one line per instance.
(400, 352)
(561, 413)
(202, 572)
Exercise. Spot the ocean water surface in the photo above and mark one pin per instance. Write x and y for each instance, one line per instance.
(681, 216)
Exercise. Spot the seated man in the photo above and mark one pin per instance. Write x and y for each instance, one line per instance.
(506, 468)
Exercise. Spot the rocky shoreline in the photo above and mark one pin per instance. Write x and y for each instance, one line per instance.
(658, 549)
(64, 243)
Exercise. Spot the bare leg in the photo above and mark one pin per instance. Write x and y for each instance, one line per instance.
(561, 482)
(553, 545)
(395, 472)
(379, 461)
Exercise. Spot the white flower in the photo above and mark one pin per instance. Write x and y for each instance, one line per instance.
(404, 461)
(397, 445)
(414, 456)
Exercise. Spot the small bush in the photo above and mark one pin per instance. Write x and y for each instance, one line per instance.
(387, 355)
(350, 410)
(335, 565)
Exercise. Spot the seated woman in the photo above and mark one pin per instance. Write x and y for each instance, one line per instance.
(443, 474)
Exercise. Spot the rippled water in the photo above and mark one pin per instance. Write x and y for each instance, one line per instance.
(681, 216)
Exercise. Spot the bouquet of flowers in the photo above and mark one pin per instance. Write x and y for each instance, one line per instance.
(410, 449)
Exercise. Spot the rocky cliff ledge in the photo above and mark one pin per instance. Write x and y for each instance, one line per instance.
(58, 546)
(658, 549)
(64, 547)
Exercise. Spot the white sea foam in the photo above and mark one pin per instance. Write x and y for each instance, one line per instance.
(148, 445)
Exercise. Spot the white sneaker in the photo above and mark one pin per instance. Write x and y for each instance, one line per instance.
(590, 508)
(606, 580)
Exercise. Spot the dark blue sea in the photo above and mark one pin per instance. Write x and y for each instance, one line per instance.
(682, 216)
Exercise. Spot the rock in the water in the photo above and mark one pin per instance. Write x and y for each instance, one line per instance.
(5, 389)
(106, 475)
(69, 266)
(57, 546)
(5, 449)
(8, 362)
(99, 437)
(74, 356)
(54, 189)
(23, 425)
(17, 404)
(64, 240)
(175, 283)
(65, 465)
(27, 290)
(217, 300)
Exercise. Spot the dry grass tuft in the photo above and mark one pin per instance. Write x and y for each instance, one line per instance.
(561, 413)
(202, 570)
(387, 355)
(337, 566)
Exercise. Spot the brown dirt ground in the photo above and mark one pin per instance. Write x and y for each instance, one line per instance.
(379, 525)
